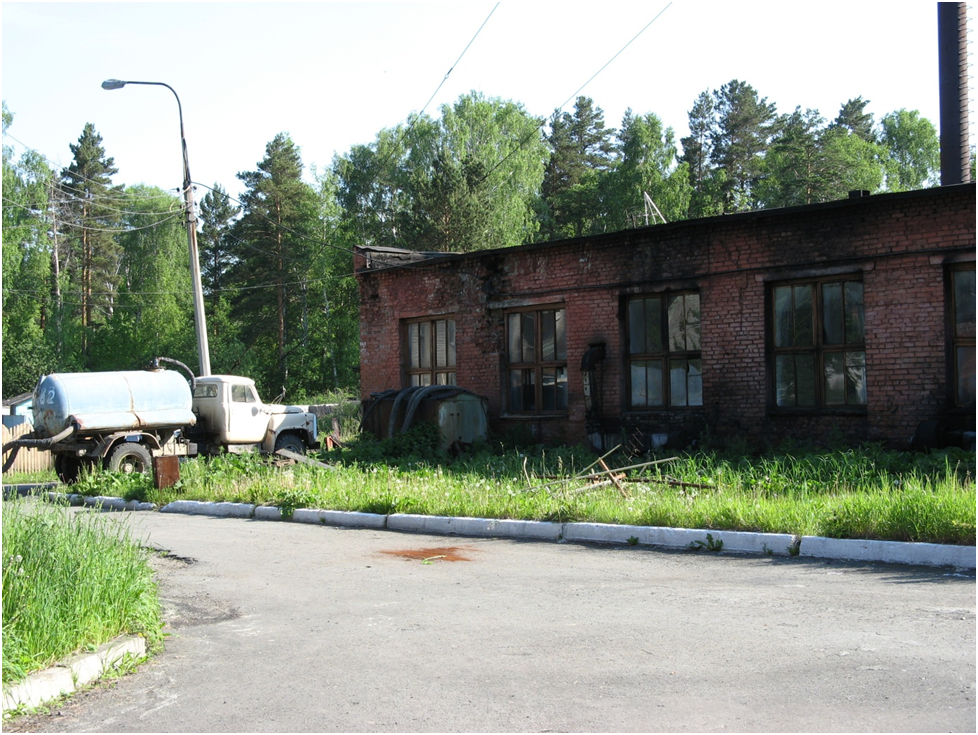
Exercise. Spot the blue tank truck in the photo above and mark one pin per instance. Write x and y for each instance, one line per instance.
(121, 420)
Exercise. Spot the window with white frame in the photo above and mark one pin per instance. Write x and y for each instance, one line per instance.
(430, 351)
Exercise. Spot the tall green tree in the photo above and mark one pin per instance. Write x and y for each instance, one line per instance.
(153, 307)
(485, 168)
(26, 311)
(218, 261)
(374, 189)
(275, 239)
(854, 118)
(913, 148)
(744, 126)
(333, 299)
(93, 206)
(466, 181)
(796, 170)
(581, 152)
(706, 180)
(647, 166)
(810, 162)
(217, 216)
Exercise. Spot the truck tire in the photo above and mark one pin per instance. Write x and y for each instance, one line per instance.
(129, 457)
(67, 467)
(291, 442)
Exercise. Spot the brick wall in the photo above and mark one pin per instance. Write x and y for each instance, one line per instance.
(899, 244)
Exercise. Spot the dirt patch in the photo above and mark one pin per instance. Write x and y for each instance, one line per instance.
(438, 553)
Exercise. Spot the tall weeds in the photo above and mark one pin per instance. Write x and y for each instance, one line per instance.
(70, 581)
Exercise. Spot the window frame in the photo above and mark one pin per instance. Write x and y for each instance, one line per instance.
(423, 375)
(538, 366)
(820, 348)
(667, 354)
(958, 341)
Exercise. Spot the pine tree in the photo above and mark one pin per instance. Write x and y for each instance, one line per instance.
(275, 237)
(745, 123)
(91, 253)
(217, 215)
(854, 118)
(581, 151)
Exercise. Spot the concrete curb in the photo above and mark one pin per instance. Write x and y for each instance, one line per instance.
(892, 552)
(203, 508)
(72, 673)
(341, 518)
(448, 525)
(676, 538)
(778, 544)
(117, 504)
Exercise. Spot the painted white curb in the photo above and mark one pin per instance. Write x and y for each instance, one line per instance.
(447, 525)
(742, 541)
(76, 671)
(268, 513)
(219, 510)
(351, 519)
(38, 688)
(893, 552)
(118, 504)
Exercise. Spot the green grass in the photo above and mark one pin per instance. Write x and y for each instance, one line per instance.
(24, 478)
(866, 493)
(71, 581)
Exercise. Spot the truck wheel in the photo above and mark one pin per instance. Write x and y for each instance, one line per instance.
(129, 457)
(290, 442)
(67, 467)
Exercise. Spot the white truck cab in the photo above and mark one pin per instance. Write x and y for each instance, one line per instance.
(230, 415)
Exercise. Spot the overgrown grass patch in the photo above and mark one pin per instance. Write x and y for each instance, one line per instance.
(851, 493)
(71, 581)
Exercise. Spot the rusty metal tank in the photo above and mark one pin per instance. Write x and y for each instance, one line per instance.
(460, 415)
(112, 401)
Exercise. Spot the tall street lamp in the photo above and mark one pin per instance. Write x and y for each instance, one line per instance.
(203, 350)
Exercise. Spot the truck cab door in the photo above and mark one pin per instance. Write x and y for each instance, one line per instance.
(247, 420)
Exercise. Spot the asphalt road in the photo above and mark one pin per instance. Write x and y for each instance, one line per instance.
(278, 627)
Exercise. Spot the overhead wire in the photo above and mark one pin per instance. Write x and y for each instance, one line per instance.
(54, 167)
(324, 243)
(573, 96)
(440, 84)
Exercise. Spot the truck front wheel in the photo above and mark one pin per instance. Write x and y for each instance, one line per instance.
(129, 457)
(290, 442)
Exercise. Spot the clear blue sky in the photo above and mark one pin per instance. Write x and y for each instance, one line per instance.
(333, 74)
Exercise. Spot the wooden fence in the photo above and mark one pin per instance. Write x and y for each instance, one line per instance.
(28, 460)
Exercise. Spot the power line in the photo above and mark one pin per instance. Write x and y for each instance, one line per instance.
(573, 96)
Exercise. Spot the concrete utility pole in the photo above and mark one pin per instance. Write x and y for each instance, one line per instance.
(203, 350)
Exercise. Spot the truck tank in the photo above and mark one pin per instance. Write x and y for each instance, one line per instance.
(118, 401)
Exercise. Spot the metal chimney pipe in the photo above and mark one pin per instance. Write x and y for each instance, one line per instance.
(952, 44)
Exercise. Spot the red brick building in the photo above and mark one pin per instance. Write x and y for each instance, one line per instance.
(855, 316)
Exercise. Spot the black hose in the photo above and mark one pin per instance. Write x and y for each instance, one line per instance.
(155, 365)
(401, 396)
(440, 391)
(376, 399)
(32, 443)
